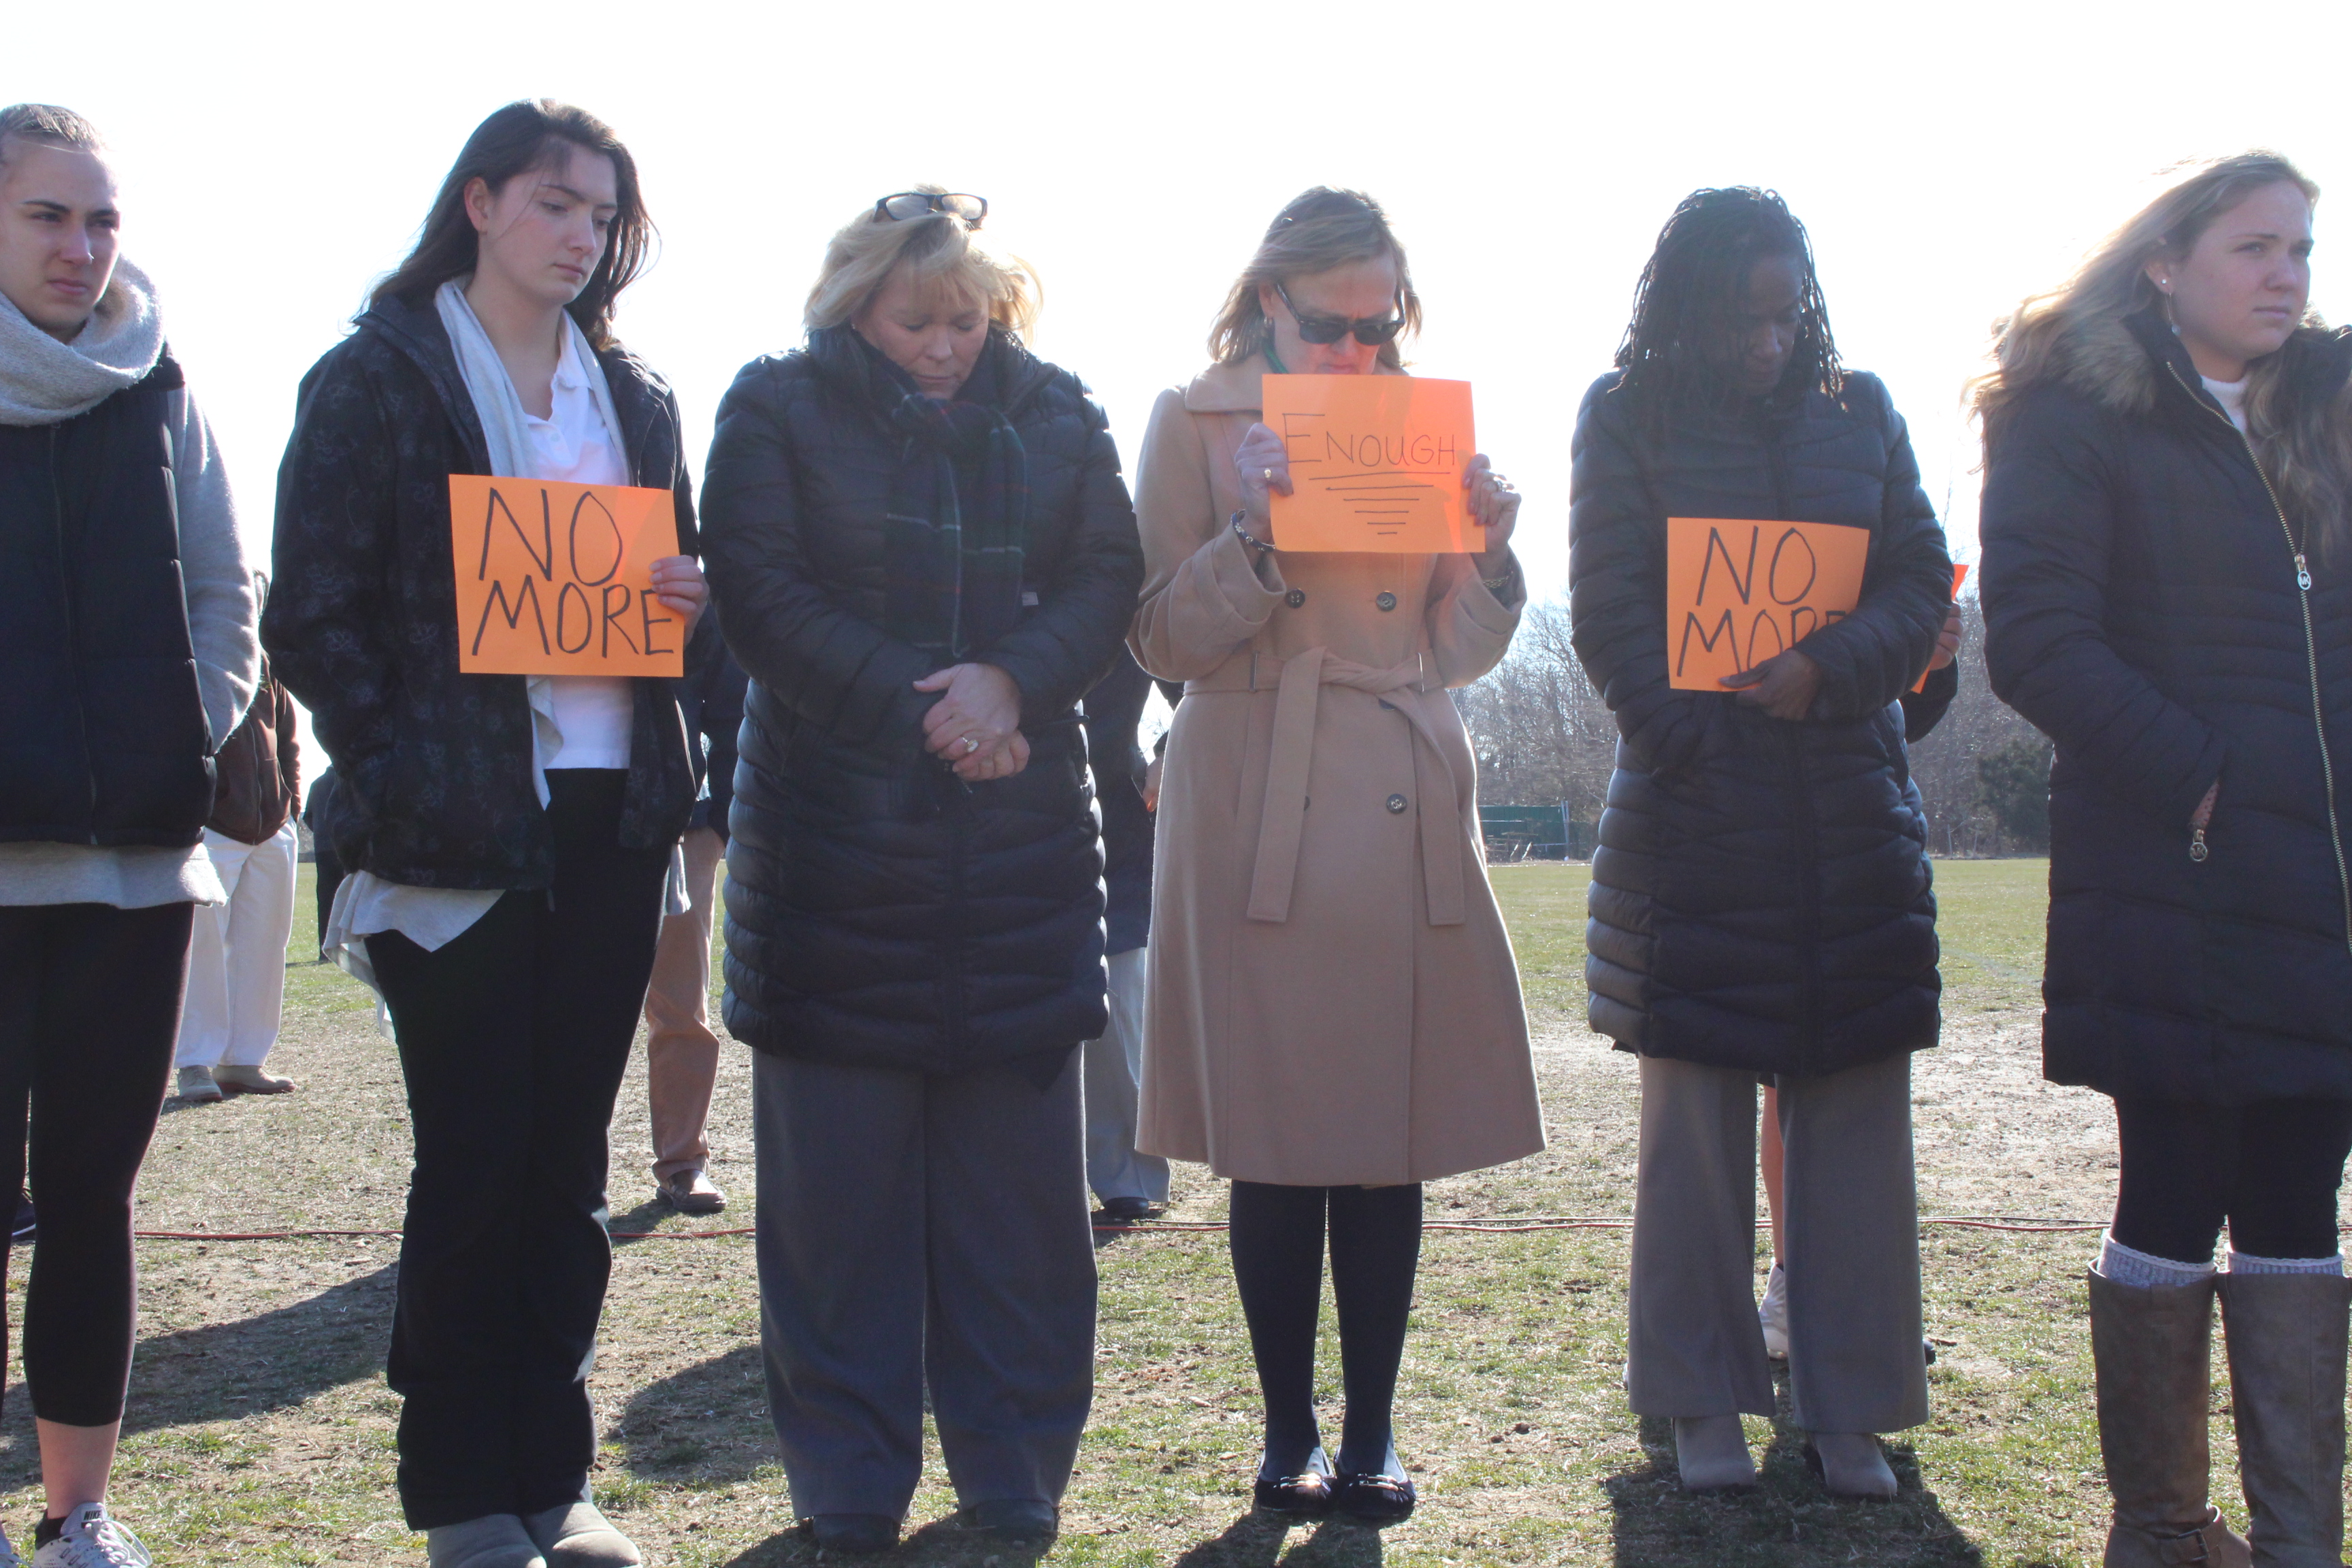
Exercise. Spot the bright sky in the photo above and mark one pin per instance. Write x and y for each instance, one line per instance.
(1945, 158)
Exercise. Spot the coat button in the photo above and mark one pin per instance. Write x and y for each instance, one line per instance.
(1397, 804)
(1295, 598)
(1387, 602)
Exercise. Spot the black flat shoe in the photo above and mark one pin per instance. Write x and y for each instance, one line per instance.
(854, 1534)
(1375, 1501)
(1012, 1522)
(1306, 1495)
(1127, 1211)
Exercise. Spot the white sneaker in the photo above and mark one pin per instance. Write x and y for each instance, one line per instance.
(198, 1086)
(1773, 1315)
(93, 1540)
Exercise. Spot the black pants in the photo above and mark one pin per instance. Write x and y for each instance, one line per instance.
(330, 877)
(2271, 1170)
(513, 1039)
(90, 1011)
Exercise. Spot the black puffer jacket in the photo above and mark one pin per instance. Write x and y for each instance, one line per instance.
(2141, 608)
(1761, 896)
(437, 788)
(879, 912)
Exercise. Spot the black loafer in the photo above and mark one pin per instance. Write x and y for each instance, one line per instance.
(854, 1534)
(1375, 1501)
(1014, 1521)
(1306, 1495)
(1126, 1211)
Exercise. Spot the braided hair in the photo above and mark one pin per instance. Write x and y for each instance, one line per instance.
(1690, 290)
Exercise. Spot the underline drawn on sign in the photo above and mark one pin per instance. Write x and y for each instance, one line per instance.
(557, 579)
(1740, 592)
(1375, 461)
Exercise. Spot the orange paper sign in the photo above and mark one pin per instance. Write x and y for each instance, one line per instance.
(1738, 592)
(557, 579)
(1376, 463)
(1959, 576)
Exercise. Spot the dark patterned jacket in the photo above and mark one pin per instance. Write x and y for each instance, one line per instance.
(435, 766)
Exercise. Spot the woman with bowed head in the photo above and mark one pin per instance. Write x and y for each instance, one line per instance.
(923, 553)
(2168, 593)
(509, 839)
(1334, 1013)
(1760, 902)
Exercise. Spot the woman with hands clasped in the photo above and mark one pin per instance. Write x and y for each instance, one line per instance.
(923, 554)
(1760, 902)
(1334, 1014)
(2167, 592)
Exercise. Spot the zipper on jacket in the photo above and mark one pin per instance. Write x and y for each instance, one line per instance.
(2197, 849)
(73, 633)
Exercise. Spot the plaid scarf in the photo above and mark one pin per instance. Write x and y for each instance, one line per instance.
(959, 511)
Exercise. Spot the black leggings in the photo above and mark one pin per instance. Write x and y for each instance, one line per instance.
(1277, 1245)
(90, 1011)
(2271, 1170)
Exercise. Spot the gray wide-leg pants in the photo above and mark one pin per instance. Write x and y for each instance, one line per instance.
(917, 1230)
(1852, 1236)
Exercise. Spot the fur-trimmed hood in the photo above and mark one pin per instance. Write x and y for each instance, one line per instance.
(2122, 361)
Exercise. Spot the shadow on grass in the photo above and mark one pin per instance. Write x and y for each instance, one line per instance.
(1256, 1541)
(1788, 1520)
(939, 1544)
(707, 1424)
(273, 1361)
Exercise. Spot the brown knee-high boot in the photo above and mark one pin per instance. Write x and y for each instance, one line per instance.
(2152, 1348)
(2286, 1335)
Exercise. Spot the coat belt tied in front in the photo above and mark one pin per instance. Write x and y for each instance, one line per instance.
(1302, 678)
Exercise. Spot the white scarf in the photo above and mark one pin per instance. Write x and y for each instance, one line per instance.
(45, 381)
(496, 402)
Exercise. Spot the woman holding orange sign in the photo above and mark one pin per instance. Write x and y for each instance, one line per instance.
(1761, 900)
(509, 836)
(1334, 1014)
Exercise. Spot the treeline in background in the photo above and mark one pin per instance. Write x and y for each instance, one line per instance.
(1546, 743)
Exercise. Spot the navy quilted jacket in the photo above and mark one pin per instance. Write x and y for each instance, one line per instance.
(2141, 608)
(879, 912)
(1761, 896)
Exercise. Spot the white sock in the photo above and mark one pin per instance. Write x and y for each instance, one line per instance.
(2248, 1263)
(2125, 1267)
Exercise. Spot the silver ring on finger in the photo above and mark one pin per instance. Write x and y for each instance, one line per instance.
(969, 745)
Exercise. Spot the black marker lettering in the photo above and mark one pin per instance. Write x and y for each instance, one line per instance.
(587, 618)
(543, 557)
(648, 620)
(617, 605)
(612, 529)
(1723, 633)
(513, 611)
(1812, 569)
(1744, 586)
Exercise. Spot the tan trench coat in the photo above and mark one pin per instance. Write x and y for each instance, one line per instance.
(1333, 999)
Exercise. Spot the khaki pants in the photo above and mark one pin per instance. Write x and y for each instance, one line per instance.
(1852, 1238)
(681, 1052)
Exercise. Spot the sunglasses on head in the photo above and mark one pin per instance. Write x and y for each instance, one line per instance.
(909, 205)
(1369, 331)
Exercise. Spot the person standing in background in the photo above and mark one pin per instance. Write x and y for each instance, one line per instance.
(1128, 1185)
(236, 961)
(510, 840)
(127, 654)
(2168, 595)
(681, 1052)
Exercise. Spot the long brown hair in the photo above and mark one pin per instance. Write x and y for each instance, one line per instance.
(1320, 229)
(2303, 444)
(529, 136)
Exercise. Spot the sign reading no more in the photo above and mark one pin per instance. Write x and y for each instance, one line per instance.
(557, 579)
(1740, 592)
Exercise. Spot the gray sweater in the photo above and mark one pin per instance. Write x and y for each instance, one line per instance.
(45, 381)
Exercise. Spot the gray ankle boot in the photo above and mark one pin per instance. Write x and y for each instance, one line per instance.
(494, 1541)
(2286, 1334)
(2152, 1346)
(576, 1535)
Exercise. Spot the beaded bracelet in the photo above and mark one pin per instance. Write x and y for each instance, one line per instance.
(1261, 546)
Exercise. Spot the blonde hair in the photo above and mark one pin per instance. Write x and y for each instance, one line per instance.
(48, 125)
(1321, 228)
(2303, 444)
(940, 254)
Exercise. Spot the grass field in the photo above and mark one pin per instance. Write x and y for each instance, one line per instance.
(260, 1428)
